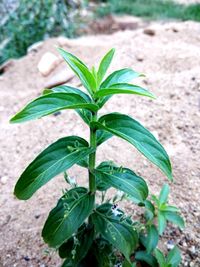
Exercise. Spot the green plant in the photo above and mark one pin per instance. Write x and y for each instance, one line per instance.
(33, 21)
(89, 230)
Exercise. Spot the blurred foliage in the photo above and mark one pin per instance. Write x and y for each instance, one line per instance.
(151, 9)
(33, 21)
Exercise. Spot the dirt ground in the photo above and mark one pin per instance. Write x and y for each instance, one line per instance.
(170, 58)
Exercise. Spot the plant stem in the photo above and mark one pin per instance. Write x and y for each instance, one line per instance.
(92, 158)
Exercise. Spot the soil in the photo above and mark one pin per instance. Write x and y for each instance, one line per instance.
(170, 58)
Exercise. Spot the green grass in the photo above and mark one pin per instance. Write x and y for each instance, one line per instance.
(151, 9)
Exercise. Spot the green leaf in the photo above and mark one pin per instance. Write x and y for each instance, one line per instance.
(164, 194)
(160, 258)
(120, 76)
(83, 241)
(123, 88)
(150, 210)
(169, 208)
(71, 211)
(146, 257)
(55, 159)
(174, 218)
(85, 114)
(115, 229)
(174, 257)
(123, 179)
(51, 103)
(152, 238)
(104, 65)
(80, 69)
(132, 131)
(161, 222)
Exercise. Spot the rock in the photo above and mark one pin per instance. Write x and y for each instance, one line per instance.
(26, 258)
(5, 66)
(149, 32)
(139, 58)
(4, 179)
(47, 63)
(126, 22)
(60, 78)
(34, 47)
(170, 244)
(63, 41)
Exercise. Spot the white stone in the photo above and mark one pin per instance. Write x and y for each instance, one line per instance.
(62, 77)
(47, 63)
(4, 179)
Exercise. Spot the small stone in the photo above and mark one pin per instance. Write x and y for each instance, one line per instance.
(34, 47)
(47, 63)
(149, 32)
(57, 113)
(139, 58)
(63, 41)
(59, 78)
(170, 245)
(26, 258)
(4, 179)
(37, 216)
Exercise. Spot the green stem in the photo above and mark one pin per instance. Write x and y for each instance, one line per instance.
(92, 159)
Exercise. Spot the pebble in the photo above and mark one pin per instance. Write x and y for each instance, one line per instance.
(47, 63)
(170, 245)
(4, 179)
(26, 258)
(149, 32)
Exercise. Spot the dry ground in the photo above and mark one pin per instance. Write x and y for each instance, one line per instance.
(171, 61)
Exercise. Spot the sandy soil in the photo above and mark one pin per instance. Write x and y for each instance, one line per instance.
(171, 61)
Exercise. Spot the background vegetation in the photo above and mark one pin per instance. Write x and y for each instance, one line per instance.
(28, 22)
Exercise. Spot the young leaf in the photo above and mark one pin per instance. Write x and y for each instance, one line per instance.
(115, 229)
(160, 258)
(71, 211)
(104, 65)
(174, 257)
(132, 131)
(80, 69)
(146, 257)
(164, 194)
(161, 222)
(51, 103)
(174, 218)
(85, 114)
(123, 88)
(123, 179)
(152, 238)
(120, 76)
(55, 159)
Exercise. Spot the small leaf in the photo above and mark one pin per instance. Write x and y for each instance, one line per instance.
(132, 131)
(85, 114)
(146, 257)
(51, 103)
(115, 229)
(80, 69)
(104, 65)
(160, 258)
(174, 257)
(152, 238)
(124, 180)
(123, 88)
(161, 222)
(54, 160)
(169, 208)
(71, 211)
(150, 210)
(164, 194)
(120, 76)
(174, 218)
